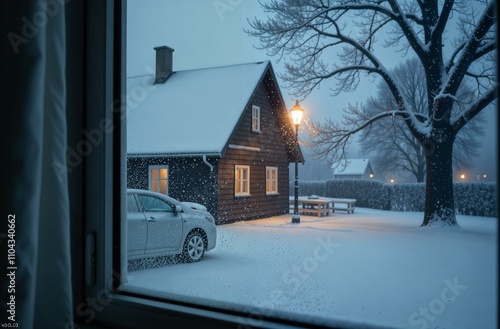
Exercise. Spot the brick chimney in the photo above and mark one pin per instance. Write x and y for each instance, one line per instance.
(164, 66)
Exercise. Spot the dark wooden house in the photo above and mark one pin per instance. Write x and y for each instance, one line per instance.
(219, 136)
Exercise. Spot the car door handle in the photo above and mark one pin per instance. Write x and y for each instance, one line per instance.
(151, 219)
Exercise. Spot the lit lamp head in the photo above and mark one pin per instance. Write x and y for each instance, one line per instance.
(296, 114)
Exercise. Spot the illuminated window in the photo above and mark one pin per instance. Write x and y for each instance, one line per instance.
(255, 118)
(242, 181)
(271, 180)
(158, 179)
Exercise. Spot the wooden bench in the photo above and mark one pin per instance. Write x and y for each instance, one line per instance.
(349, 208)
(320, 206)
(316, 207)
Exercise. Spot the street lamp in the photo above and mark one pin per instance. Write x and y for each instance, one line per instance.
(296, 114)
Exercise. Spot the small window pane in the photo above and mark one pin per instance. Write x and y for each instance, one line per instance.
(255, 118)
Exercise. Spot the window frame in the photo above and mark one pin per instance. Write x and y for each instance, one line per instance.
(270, 191)
(150, 178)
(256, 118)
(101, 199)
(237, 182)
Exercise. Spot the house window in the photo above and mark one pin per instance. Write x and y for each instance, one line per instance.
(271, 180)
(255, 118)
(242, 181)
(158, 179)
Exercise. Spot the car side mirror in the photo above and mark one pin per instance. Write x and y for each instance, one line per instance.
(177, 209)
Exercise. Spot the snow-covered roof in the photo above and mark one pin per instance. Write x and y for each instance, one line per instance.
(193, 112)
(353, 167)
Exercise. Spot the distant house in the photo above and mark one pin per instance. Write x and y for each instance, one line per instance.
(355, 169)
(219, 136)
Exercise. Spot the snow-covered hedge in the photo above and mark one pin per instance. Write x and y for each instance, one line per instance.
(368, 193)
(408, 197)
(310, 188)
(476, 199)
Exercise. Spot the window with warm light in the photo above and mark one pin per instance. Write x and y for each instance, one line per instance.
(158, 179)
(255, 118)
(271, 180)
(242, 180)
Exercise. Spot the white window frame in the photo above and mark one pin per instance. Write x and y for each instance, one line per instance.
(151, 180)
(241, 185)
(256, 118)
(272, 180)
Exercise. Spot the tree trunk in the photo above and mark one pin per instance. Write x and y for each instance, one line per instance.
(439, 203)
(420, 174)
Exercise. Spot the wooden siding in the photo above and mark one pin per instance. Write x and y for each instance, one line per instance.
(189, 179)
(272, 153)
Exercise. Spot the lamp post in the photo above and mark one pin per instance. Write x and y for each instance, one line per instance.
(296, 114)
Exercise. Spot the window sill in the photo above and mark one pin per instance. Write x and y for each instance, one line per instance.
(126, 311)
(242, 195)
(272, 194)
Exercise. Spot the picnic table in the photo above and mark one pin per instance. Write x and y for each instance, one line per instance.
(321, 206)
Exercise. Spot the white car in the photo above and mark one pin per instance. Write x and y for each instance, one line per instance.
(158, 225)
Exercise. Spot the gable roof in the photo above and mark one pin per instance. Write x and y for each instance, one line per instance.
(353, 167)
(193, 112)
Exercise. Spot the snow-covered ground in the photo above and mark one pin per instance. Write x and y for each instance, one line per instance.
(372, 266)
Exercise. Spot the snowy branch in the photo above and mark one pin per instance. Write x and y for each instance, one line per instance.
(474, 109)
(470, 50)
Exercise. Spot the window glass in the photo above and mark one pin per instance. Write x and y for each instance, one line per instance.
(152, 204)
(159, 179)
(271, 180)
(242, 180)
(188, 138)
(255, 118)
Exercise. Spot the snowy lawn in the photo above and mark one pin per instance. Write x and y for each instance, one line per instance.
(372, 266)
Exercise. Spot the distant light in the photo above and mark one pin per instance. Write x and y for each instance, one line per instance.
(371, 175)
(392, 180)
(484, 176)
(462, 176)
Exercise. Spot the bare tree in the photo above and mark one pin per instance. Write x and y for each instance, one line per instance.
(326, 39)
(391, 146)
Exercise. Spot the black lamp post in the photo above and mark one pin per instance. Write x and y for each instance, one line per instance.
(296, 114)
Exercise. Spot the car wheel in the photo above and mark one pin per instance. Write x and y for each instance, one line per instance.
(194, 247)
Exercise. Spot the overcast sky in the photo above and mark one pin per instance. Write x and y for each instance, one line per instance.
(208, 33)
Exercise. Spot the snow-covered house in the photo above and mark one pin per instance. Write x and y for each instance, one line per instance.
(354, 169)
(219, 136)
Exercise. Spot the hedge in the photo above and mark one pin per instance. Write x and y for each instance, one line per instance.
(475, 199)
